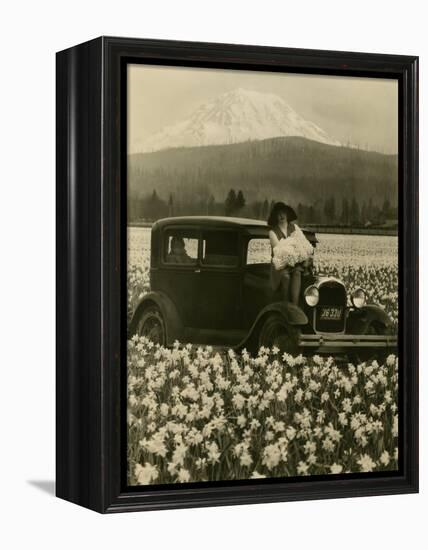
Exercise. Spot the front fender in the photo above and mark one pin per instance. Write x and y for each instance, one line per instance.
(360, 319)
(173, 325)
(292, 314)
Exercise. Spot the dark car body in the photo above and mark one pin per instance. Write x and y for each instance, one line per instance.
(214, 289)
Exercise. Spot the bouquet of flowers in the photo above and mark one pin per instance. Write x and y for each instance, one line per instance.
(293, 250)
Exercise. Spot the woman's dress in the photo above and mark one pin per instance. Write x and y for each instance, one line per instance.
(277, 275)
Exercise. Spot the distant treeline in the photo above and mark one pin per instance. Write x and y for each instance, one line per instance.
(349, 212)
(322, 182)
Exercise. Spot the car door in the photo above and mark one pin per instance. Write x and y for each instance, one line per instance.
(220, 301)
(178, 276)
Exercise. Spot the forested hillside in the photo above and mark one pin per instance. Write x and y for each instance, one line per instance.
(296, 170)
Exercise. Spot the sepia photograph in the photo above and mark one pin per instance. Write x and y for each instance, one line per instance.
(262, 275)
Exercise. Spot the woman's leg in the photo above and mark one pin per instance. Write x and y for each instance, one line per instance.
(285, 286)
(295, 285)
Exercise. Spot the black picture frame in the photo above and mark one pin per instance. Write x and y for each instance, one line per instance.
(91, 247)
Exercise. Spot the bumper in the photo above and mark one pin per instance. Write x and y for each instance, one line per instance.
(336, 343)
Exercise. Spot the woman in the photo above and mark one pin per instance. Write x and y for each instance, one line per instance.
(288, 279)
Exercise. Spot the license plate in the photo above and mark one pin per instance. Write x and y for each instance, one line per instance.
(331, 313)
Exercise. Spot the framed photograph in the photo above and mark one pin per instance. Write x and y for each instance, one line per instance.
(237, 278)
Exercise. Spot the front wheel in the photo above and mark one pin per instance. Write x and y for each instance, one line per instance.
(276, 332)
(151, 325)
(375, 328)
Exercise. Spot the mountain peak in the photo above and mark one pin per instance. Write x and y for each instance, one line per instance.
(236, 116)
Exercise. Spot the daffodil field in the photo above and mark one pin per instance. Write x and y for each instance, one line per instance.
(197, 414)
(370, 262)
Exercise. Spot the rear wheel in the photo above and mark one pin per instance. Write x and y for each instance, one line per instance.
(276, 332)
(151, 325)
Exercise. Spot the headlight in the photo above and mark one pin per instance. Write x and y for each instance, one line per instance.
(358, 297)
(312, 296)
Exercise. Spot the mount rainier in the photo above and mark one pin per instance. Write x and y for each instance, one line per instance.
(234, 117)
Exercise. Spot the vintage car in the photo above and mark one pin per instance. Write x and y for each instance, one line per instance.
(209, 279)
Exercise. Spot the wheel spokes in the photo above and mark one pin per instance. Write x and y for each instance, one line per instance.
(277, 336)
(152, 330)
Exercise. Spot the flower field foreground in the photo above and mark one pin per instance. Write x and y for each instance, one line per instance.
(195, 414)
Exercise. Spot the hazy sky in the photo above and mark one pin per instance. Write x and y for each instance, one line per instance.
(360, 111)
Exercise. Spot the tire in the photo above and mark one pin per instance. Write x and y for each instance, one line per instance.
(275, 331)
(151, 325)
(375, 329)
(379, 329)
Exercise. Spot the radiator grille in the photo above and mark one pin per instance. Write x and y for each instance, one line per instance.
(330, 311)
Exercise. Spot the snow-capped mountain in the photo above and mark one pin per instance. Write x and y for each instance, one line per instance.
(233, 117)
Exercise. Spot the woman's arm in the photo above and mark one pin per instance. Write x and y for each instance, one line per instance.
(273, 239)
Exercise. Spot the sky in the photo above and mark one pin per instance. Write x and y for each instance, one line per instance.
(359, 111)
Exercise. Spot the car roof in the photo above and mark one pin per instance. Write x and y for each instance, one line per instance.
(253, 227)
(249, 225)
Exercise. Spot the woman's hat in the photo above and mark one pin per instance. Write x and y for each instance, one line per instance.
(281, 207)
(291, 214)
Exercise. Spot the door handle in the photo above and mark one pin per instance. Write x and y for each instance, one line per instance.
(197, 271)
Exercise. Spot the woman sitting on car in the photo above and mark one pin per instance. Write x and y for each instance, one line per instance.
(291, 259)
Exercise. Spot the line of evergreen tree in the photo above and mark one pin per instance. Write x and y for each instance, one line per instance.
(234, 202)
(309, 171)
(351, 211)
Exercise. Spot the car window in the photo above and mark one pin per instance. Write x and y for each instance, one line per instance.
(259, 251)
(181, 247)
(220, 248)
